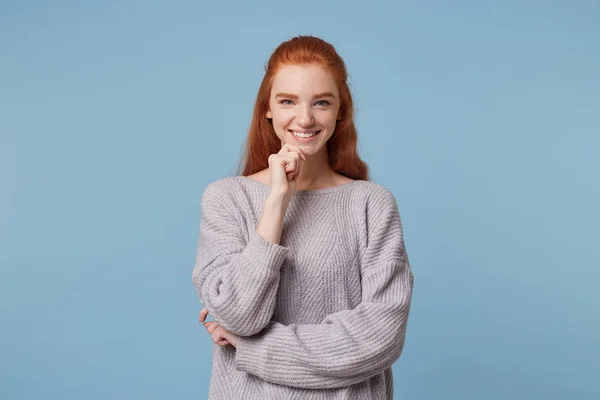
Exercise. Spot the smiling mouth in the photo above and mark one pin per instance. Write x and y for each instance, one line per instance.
(304, 134)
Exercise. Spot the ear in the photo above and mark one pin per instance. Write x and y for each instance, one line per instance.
(269, 114)
(339, 116)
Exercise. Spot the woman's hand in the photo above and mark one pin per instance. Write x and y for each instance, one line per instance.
(219, 335)
(284, 167)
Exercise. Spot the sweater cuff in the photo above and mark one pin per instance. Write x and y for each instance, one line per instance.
(258, 249)
(247, 358)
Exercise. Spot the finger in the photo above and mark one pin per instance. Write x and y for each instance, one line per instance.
(217, 335)
(221, 335)
(296, 156)
(223, 342)
(292, 148)
(210, 326)
(229, 336)
(203, 314)
(301, 153)
(296, 153)
(290, 163)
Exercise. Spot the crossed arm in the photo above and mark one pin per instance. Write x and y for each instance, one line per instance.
(348, 346)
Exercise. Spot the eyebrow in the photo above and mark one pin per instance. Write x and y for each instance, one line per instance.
(293, 96)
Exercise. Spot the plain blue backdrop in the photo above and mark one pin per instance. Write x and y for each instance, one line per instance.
(483, 119)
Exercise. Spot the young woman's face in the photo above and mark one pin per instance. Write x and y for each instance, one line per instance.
(304, 100)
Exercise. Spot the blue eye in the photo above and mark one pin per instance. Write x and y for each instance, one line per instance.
(320, 103)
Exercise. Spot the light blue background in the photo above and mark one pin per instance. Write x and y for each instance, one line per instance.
(482, 119)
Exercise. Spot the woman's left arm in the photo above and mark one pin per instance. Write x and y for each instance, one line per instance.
(348, 346)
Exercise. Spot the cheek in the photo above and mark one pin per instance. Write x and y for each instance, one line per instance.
(282, 118)
(329, 120)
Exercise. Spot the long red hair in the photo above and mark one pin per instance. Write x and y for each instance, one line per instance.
(262, 141)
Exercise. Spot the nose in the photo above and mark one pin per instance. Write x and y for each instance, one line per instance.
(306, 118)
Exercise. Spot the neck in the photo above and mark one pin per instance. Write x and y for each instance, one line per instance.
(315, 172)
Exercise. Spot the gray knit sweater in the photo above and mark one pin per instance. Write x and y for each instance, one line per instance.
(323, 314)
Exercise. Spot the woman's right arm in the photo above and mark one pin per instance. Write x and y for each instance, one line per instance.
(270, 224)
(237, 278)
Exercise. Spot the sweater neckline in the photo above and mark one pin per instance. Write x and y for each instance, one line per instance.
(329, 189)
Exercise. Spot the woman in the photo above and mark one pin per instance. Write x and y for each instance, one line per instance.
(301, 259)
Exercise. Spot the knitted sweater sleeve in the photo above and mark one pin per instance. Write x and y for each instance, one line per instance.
(236, 277)
(348, 346)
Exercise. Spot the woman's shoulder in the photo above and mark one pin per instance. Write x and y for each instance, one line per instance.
(373, 192)
(235, 190)
(223, 183)
(221, 186)
(377, 201)
(220, 191)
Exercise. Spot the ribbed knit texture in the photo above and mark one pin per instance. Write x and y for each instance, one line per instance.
(323, 314)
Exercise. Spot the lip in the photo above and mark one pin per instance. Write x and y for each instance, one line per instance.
(304, 131)
(304, 140)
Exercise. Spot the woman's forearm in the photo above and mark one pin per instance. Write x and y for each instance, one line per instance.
(270, 224)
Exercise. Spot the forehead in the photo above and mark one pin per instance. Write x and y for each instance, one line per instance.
(304, 79)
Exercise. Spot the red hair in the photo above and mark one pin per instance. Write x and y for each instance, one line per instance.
(262, 141)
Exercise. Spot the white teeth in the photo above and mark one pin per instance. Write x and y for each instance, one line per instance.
(304, 135)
